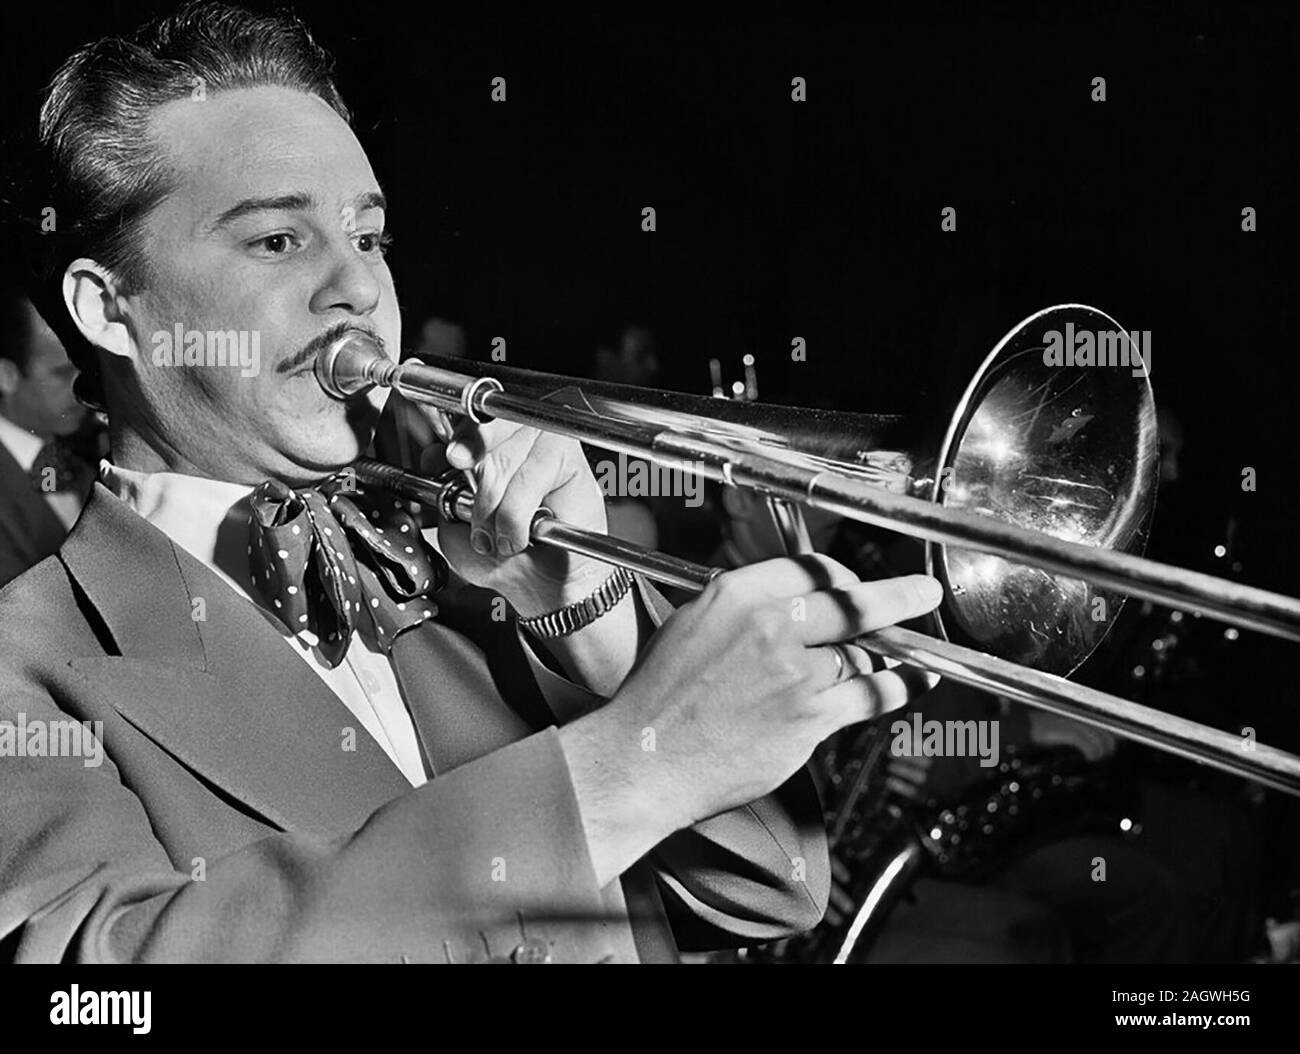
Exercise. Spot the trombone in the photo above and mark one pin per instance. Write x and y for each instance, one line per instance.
(1034, 506)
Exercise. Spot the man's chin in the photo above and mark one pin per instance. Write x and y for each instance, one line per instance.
(323, 455)
(324, 436)
(311, 468)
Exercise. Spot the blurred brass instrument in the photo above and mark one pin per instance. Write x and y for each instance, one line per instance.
(1034, 500)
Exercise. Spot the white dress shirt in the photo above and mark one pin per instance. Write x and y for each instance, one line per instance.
(24, 446)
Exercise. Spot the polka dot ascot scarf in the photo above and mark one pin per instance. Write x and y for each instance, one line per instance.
(336, 558)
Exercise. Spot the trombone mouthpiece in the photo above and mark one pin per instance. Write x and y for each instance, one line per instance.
(353, 364)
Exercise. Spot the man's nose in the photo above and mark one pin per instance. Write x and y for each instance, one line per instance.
(350, 283)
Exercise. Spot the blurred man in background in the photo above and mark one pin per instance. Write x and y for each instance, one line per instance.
(43, 481)
(632, 360)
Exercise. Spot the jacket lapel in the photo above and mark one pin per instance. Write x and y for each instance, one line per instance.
(204, 674)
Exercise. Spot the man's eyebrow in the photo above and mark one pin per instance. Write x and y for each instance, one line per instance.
(296, 202)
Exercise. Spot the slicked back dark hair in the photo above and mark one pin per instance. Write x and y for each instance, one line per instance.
(97, 167)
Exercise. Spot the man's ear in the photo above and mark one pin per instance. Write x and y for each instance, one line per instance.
(10, 377)
(90, 293)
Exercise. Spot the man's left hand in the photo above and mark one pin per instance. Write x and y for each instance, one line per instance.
(519, 469)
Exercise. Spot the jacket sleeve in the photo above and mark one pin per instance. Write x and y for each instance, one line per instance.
(486, 862)
(751, 874)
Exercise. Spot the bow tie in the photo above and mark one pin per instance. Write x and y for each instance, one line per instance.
(58, 468)
(335, 558)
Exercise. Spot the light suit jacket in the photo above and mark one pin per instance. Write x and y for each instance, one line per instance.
(229, 820)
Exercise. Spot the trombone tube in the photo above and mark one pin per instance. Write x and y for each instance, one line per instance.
(483, 398)
(1141, 724)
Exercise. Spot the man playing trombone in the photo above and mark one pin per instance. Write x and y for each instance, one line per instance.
(324, 738)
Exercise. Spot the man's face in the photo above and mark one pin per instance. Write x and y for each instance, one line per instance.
(273, 232)
(39, 398)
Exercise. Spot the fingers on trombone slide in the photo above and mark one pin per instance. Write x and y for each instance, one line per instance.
(859, 692)
(862, 607)
(788, 577)
(869, 685)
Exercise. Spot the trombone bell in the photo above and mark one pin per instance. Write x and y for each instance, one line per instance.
(1069, 452)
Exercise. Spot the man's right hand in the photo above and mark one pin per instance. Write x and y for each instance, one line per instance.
(731, 697)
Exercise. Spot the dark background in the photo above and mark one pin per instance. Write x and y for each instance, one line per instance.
(778, 219)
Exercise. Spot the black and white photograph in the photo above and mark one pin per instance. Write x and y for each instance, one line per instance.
(620, 486)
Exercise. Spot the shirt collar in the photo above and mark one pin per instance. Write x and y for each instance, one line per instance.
(22, 444)
(208, 518)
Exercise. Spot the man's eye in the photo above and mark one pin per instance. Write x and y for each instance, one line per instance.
(371, 241)
(276, 244)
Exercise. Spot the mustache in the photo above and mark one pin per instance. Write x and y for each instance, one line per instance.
(318, 344)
